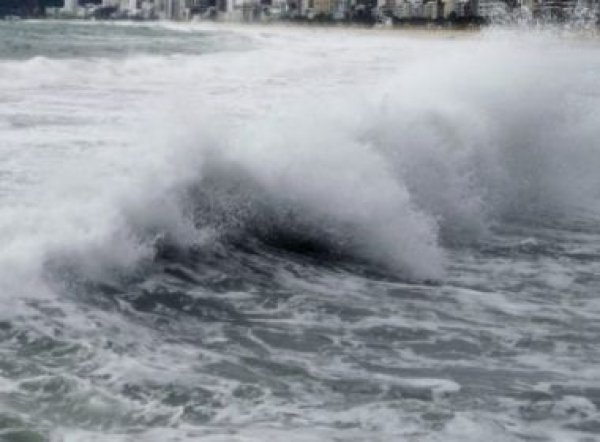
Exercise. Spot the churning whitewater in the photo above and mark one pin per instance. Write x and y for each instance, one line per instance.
(250, 234)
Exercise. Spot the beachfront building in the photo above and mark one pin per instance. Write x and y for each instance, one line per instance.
(591, 5)
(583, 12)
(430, 10)
(366, 11)
(136, 9)
(205, 8)
(70, 7)
(128, 7)
(30, 8)
(312, 9)
(170, 9)
(238, 10)
(555, 9)
(291, 9)
(407, 10)
(529, 5)
(363, 10)
(382, 6)
(341, 9)
(272, 9)
(388, 6)
(197, 8)
(417, 9)
(489, 8)
(322, 7)
(453, 9)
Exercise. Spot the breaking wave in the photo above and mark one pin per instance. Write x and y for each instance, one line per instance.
(342, 235)
(497, 129)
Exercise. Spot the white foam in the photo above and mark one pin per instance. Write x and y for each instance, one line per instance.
(440, 134)
(408, 144)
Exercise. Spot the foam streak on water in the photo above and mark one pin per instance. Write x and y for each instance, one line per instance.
(277, 234)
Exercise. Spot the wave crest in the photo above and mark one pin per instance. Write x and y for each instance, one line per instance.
(483, 131)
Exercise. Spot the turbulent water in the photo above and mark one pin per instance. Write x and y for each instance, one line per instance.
(260, 234)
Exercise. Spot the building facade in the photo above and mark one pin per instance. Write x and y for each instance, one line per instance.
(71, 6)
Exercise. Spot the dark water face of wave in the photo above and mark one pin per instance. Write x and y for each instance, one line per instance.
(413, 256)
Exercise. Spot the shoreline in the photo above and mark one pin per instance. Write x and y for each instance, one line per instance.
(425, 30)
(433, 31)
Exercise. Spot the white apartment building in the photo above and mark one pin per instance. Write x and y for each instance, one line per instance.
(170, 9)
(430, 10)
(124, 5)
(70, 6)
(406, 9)
(494, 7)
(490, 8)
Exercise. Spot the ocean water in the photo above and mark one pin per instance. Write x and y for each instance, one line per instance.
(270, 234)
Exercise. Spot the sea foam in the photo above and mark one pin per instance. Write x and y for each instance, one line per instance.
(431, 144)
